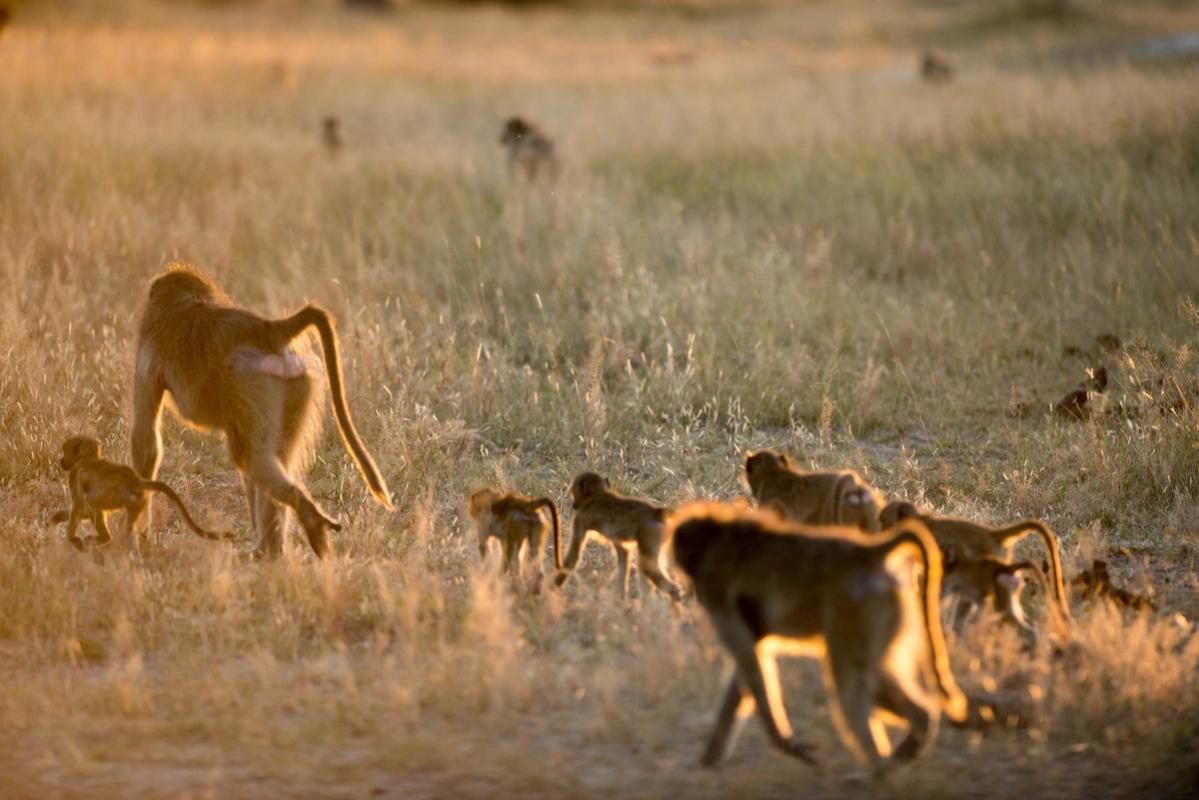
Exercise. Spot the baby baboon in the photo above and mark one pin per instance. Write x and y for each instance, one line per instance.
(99, 486)
(230, 370)
(528, 148)
(515, 519)
(772, 587)
(1097, 582)
(626, 523)
(962, 541)
(331, 135)
(934, 68)
(812, 498)
(975, 580)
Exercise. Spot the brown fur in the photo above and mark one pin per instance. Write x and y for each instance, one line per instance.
(231, 370)
(626, 523)
(812, 498)
(514, 519)
(963, 541)
(98, 486)
(529, 149)
(774, 587)
(934, 68)
(1096, 582)
(975, 580)
(331, 135)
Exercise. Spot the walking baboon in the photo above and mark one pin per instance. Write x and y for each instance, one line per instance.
(231, 370)
(98, 486)
(515, 519)
(528, 148)
(975, 580)
(772, 587)
(963, 541)
(812, 498)
(626, 523)
(331, 134)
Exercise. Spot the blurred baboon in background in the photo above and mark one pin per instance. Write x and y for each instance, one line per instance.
(934, 68)
(529, 150)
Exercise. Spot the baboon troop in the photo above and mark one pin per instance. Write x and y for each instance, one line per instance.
(771, 587)
(98, 486)
(529, 150)
(517, 522)
(230, 370)
(626, 523)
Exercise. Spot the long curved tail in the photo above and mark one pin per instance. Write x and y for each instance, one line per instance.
(203, 533)
(317, 317)
(913, 532)
(1020, 529)
(548, 503)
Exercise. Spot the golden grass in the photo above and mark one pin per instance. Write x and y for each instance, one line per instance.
(766, 233)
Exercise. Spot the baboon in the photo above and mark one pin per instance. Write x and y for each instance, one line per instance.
(1096, 581)
(975, 580)
(233, 371)
(331, 135)
(772, 587)
(812, 498)
(98, 486)
(528, 148)
(963, 541)
(934, 68)
(626, 523)
(515, 519)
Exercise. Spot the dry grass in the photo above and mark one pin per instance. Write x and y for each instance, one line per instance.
(766, 233)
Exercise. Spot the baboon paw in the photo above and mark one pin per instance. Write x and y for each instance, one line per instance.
(801, 750)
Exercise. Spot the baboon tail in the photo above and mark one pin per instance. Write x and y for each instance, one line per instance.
(318, 318)
(203, 533)
(914, 532)
(1055, 558)
(548, 503)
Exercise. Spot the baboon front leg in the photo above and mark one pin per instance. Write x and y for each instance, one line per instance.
(736, 707)
(649, 557)
(103, 535)
(73, 527)
(760, 675)
(922, 726)
(577, 541)
(145, 437)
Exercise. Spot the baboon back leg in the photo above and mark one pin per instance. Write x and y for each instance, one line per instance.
(103, 535)
(1007, 602)
(268, 475)
(922, 726)
(73, 527)
(735, 708)
(268, 518)
(760, 676)
(649, 554)
(622, 570)
(855, 684)
(537, 553)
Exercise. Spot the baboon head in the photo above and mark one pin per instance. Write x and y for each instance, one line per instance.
(76, 449)
(480, 502)
(515, 129)
(763, 462)
(895, 512)
(587, 485)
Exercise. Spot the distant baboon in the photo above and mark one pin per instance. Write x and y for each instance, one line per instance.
(233, 371)
(813, 498)
(331, 135)
(515, 520)
(772, 587)
(934, 68)
(1096, 581)
(962, 541)
(529, 149)
(626, 523)
(99, 486)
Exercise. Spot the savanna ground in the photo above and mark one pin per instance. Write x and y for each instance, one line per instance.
(767, 232)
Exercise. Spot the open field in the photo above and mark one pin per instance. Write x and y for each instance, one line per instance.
(767, 232)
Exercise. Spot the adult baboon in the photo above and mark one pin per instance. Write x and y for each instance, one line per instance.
(838, 497)
(231, 370)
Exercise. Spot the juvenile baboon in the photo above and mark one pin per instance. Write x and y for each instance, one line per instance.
(963, 541)
(231, 370)
(515, 519)
(98, 486)
(528, 148)
(331, 134)
(812, 498)
(1096, 581)
(934, 68)
(626, 523)
(975, 580)
(772, 587)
